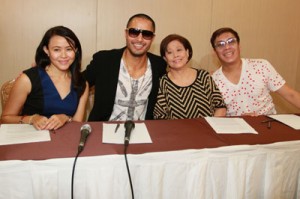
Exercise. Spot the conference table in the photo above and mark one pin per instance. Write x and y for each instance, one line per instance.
(187, 159)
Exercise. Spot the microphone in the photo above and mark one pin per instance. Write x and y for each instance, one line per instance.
(129, 126)
(85, 132)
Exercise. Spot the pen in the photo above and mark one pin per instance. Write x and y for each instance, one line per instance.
(265, 121)
(52, 131)
(269, 124)
(117, 127)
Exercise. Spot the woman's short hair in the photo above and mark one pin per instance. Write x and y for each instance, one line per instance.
(172, 37)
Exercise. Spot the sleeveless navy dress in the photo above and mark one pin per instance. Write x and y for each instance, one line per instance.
(44, 98)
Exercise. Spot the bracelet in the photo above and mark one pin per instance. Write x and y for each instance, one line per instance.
(21, 119)
(70, 119)
(31, 118)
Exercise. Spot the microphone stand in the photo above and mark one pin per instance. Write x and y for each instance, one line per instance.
(128, 171)
(73, 171)
(85, 131)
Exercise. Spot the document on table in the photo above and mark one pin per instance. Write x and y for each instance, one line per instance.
(139, 134)
(230, 125)
(22, 133)
(288, 119)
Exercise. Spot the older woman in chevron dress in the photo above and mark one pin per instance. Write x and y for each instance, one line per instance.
(185, 92)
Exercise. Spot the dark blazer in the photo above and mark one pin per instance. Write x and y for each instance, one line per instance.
(103, 73)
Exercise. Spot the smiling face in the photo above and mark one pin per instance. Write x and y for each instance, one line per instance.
(227, 48)
(138, 46)
(176, 55)
(60, 52)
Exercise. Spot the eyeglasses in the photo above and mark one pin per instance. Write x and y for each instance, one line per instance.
(134, 32)
(222, 44)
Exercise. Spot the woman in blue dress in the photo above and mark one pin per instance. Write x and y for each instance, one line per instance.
(54, 92)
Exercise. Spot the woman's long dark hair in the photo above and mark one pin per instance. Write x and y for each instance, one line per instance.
(43, 60)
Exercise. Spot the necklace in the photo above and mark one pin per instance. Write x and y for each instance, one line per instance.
(140, 66)
(134, 82)
(136, 105)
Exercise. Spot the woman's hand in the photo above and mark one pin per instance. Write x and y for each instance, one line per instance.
(38, 121)
(52, 123)
(56, 121)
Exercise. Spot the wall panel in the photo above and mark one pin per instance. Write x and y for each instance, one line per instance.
(268, 29)
(24, 22)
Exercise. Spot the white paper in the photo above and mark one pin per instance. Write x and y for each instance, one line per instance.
(288, 119)
(21, 133)
(139, 134)
(230, 125)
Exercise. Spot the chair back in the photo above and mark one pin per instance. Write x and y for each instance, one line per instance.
(5, 91)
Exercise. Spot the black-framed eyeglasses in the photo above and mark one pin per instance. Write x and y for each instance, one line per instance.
(222, 44)
(134, 32)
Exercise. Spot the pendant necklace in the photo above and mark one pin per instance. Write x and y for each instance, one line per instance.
(134, 82)
(136, 89)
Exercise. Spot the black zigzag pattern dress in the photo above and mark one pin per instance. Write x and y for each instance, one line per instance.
(199, 99)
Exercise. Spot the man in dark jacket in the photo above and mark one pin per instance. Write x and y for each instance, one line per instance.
(126, 80)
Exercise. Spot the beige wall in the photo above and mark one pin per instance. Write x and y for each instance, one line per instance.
(268, 29)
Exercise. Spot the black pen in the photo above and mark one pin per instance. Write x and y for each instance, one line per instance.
(117, 127)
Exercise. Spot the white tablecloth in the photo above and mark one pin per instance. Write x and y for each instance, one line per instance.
(252, 172)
